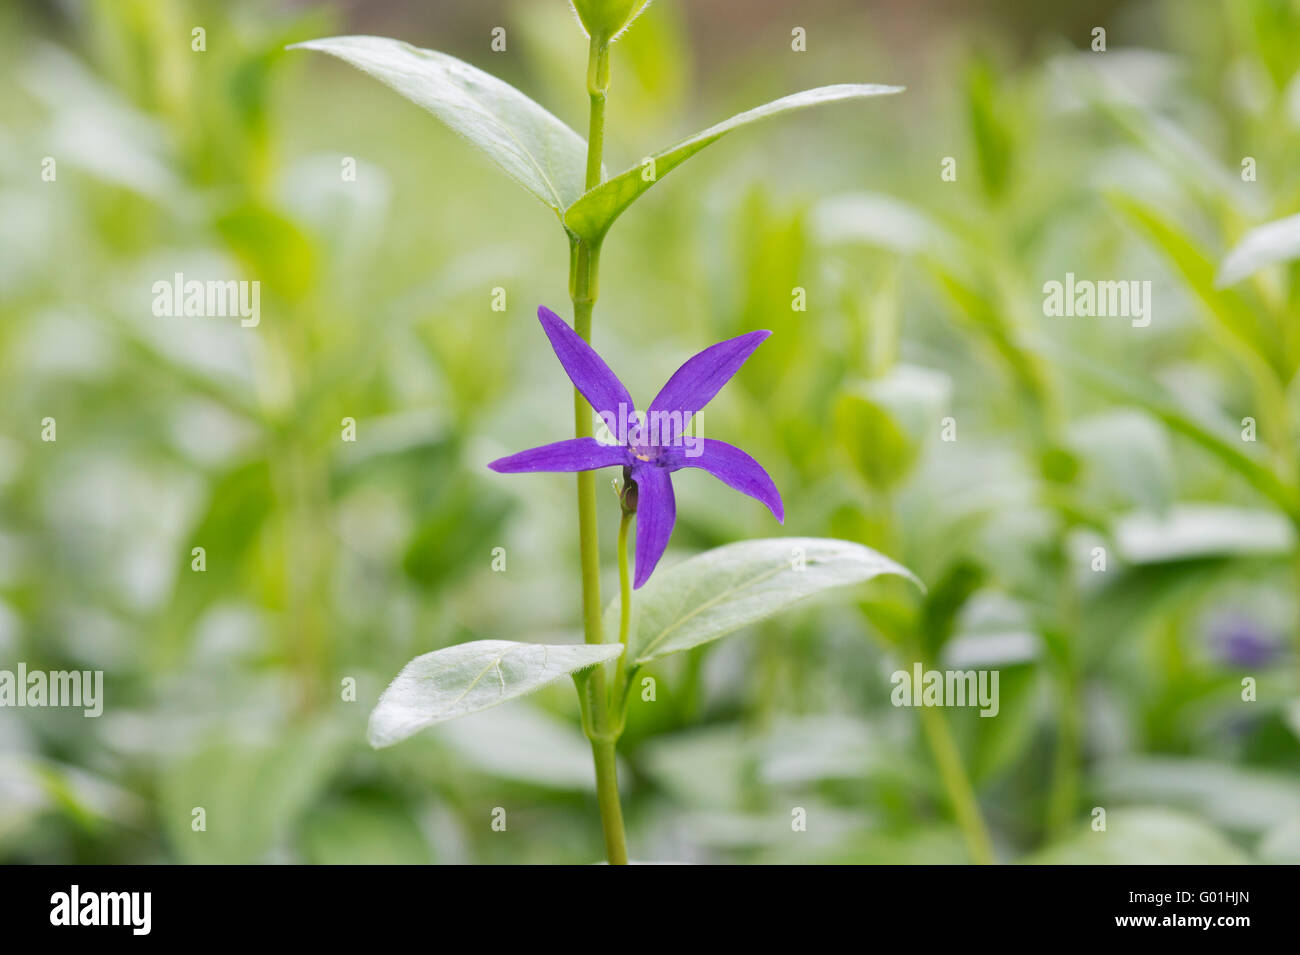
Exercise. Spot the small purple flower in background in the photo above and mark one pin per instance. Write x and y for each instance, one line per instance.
(652, 450)
(1241, 641)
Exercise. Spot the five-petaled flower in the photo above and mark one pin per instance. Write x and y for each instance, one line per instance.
(651, 454)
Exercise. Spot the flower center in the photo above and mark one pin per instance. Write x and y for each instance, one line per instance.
(648, 454)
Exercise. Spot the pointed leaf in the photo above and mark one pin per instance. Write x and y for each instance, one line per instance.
(1262, 246)
(534, 148)
(722, 590)
(469, 677)
(606, 19)
(1167, 410)
(591, 216)
(1254, 343)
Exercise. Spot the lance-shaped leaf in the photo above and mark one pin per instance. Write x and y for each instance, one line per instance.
(714, 593)
(1262, 246)
(591, 216)
(1253, 342)
(1229, 451)
(469, 677)
(534, 148)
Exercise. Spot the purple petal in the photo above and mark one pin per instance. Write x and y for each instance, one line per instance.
(656, 512)
(694, 384)
(734, 468)
(574, 454)
(587, 370)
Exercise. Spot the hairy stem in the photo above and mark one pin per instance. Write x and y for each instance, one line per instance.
(584, 266)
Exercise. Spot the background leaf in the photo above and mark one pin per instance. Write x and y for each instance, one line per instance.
(593, 214)
(722, 590)
(1203, 530)
(1243, 328)
(882, 424)
(469, 677)
(1144, 837)
(252, 792)
(534, 148)
(1260, 247)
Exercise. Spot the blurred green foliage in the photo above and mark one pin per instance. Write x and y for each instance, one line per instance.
(330, 561)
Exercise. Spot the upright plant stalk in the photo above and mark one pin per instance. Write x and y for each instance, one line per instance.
(583, 269)
(624, 617)
(961, 794)
(957, 783)
(938, 735)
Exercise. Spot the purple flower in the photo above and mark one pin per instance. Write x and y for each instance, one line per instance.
(1241, 641)
(651, 446)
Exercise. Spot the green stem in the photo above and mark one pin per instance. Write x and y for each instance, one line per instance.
(1065, 773)
(1296, 635)
(960, 792)
(584, 266)
(597, 90)
(1064, 795)
(957, 785)
(624, 617)
(611, 812)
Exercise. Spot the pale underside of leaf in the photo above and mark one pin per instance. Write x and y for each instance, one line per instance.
(1187, 531)
(720, 591)
(591, 215)
(530, 145)
(469, 677)
(1260, 247)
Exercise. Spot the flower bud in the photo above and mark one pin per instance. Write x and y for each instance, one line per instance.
(606, 19)
(628, 496)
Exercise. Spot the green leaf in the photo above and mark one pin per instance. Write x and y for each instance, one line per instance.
(1190, 531)
(367, 829)
(991, 128)
(882, 222)
(253, 792)
(534, 148)
(1127, 458)
(1240, 799)
(606, 19)
(1142, 836)
(462, 521)
(591, 216)
(469, 677)
(1166, 409)
(882, 423)
(1281, 846)
(1262, 246)
(523, 743)
(873, 441)
(273, 246)
(1255, 345)
(714, 593)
